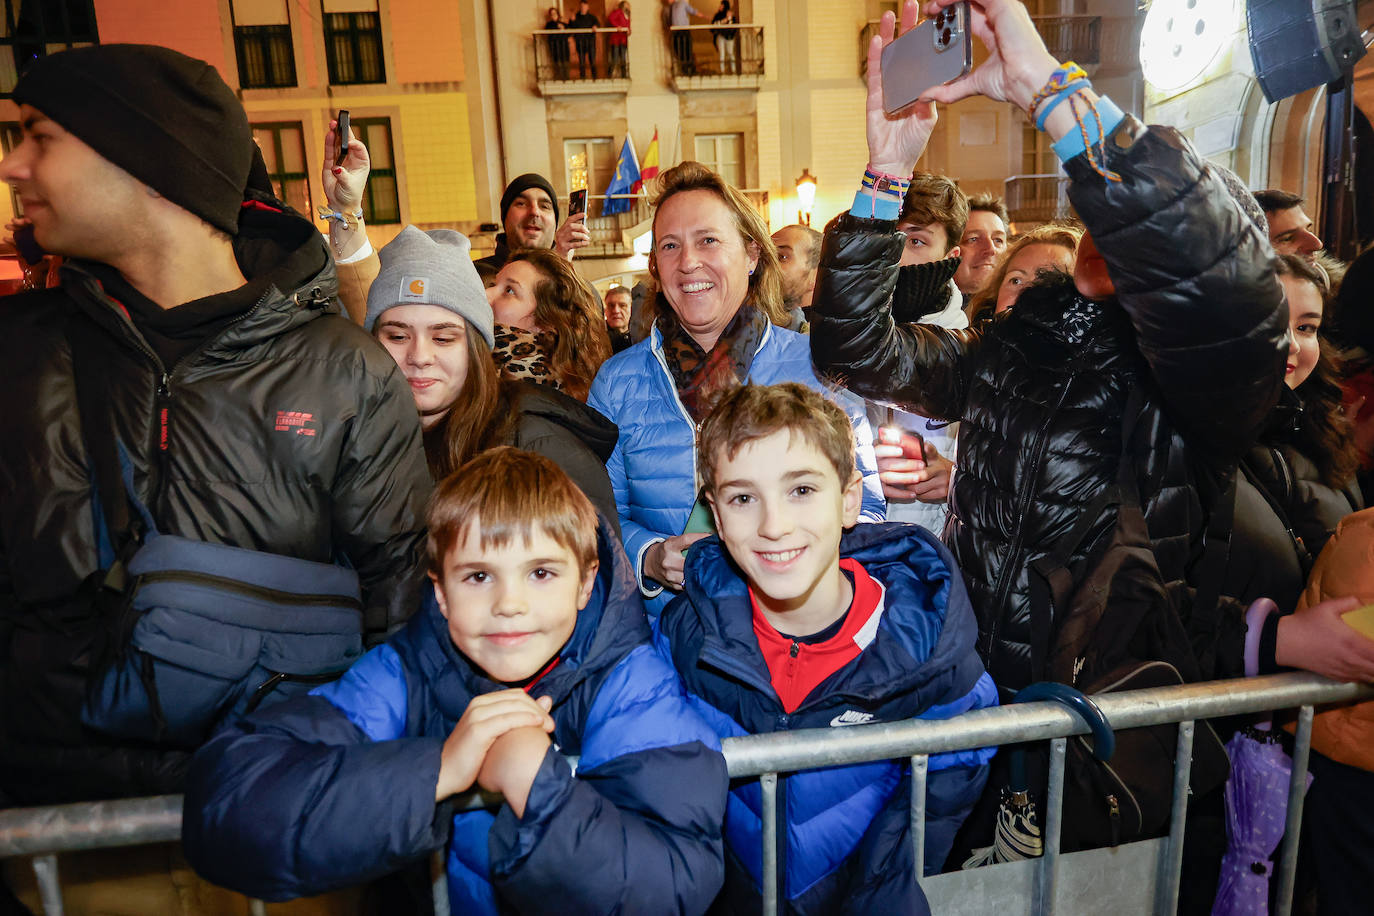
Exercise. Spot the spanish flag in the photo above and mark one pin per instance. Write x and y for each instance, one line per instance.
(648, 169)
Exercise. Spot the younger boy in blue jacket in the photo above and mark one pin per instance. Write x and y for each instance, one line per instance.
(537, 648)
(789, 620)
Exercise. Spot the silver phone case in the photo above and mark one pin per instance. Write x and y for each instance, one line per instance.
(938, 51)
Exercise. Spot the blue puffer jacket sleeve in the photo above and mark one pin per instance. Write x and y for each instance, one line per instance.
(286, 802)
(639, 826)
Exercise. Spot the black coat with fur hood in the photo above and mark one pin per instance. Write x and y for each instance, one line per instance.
(1198, 320)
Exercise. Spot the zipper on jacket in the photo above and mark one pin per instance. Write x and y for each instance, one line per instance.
(1114, 815)
(262, 592)
(163, 405)
(1027, 490)
(692, 424)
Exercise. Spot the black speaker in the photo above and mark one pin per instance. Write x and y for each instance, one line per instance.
(1297, 45)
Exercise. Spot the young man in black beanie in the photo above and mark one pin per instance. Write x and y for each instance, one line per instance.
(529, 215)
(251, 414)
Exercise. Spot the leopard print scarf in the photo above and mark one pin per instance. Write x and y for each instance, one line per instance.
(701, 377)
(522, 354)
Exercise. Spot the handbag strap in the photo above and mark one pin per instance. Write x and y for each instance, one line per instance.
(90, 366)
(1050, 574)
(1305, 559)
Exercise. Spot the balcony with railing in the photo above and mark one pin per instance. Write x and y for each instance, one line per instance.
(580, 61)
(716, 56)
(1037, 199)
(1075, 38)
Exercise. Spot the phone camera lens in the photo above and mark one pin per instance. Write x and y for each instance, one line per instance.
(945, 37)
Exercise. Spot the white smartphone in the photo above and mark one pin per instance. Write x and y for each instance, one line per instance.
(938, 51)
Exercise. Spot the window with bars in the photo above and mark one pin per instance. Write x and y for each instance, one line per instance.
(31, 30)
(381, 203)
(283, 151)
(265, 57)
(353, 44)
(723, 154)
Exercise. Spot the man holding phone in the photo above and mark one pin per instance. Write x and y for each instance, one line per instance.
(529, 216)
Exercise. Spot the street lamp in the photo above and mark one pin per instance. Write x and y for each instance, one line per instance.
(806, 196)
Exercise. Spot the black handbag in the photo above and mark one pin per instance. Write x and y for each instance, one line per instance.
(1111, 623)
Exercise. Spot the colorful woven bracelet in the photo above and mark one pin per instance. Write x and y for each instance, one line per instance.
(1042, 112)
(882, 183)
(1059, 80)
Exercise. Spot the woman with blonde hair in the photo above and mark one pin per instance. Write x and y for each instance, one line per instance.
(1045, 248)
(718, 292)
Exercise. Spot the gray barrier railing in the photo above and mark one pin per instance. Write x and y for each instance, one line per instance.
(43, 832)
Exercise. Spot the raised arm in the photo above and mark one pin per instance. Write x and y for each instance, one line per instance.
(344, 185)
(1192, 271)
(854, 338)
(1196, 276)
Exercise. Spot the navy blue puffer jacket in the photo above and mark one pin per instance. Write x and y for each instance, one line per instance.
(337, 787)
(848, 846)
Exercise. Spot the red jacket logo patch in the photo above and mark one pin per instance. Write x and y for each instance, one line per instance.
(303, 424)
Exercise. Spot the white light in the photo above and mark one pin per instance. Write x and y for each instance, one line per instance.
(1181, 39)
(642, 244)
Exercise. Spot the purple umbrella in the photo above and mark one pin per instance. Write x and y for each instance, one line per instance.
(1256, 808)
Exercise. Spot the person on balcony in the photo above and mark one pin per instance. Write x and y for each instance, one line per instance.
(585, 41)
(619, 18)
(680, 13)
(557, 44)
(727, 39)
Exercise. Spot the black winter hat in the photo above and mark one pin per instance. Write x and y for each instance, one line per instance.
(522, 184)
(167, 119)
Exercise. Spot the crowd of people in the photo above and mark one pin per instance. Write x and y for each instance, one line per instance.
(798, 480)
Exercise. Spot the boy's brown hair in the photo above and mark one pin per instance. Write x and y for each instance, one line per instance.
(935, 199)
(753, 412)
(510, 493)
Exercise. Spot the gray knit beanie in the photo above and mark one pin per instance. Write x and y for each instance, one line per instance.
(431, 268)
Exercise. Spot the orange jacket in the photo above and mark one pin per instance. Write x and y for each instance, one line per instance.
(1345, 567)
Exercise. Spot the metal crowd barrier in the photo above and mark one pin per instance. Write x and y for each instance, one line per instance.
(1141, 876)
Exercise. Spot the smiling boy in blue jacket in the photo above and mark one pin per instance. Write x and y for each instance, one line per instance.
(788, 620)
(537, 647)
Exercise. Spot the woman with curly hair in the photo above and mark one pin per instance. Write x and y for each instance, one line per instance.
(1043, 249)
(1299, 481)
(549, 324)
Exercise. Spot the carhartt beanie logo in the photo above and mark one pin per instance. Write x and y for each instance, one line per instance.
(431, 268)
(165, 118)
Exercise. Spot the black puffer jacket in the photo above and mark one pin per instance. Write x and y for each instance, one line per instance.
(290, 431)
(574, 436)
(1199, 322)
(1282, 500)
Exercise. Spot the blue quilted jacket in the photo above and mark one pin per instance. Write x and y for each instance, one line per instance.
(337, 787)
(653, 467)
(848, 846)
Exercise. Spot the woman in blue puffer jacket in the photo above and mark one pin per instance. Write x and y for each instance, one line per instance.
(718, 307)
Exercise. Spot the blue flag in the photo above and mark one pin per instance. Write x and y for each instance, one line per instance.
(626, 176)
